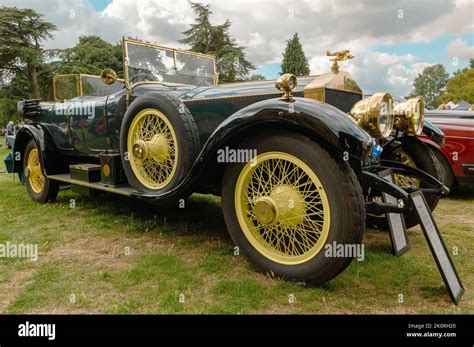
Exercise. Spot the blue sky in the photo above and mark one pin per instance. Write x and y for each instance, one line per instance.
(99, 5)
(434, 51)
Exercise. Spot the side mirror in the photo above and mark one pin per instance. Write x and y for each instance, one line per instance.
(108, 76)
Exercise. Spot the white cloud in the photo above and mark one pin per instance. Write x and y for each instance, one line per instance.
(459, 48)
(264, 26)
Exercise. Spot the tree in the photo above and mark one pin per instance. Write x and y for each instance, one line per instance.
(91, 55)
(471, 63)
(430, 84)
(256, 77)
(294, 60)
(21, 32)
(204, 37)
(459, 87)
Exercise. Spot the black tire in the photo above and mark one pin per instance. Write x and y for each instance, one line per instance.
(425, 160)
(446, 175)
(50, 189)
(346, 201)
(183, 125)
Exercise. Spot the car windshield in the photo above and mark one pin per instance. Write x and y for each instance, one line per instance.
(93, 86)
(68, 86)
(152, 63)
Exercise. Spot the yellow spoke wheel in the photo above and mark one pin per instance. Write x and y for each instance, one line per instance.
(282, 208)
(152, 149)
(406, 181)
(33, 171)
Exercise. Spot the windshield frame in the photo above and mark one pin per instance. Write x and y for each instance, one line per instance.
(79, 83)
(127, 40)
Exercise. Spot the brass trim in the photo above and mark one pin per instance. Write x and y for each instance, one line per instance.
(405, 113)
(286, 83)
(338, 56)
(367, 113)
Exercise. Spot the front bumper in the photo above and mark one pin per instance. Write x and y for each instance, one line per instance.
(374, 183)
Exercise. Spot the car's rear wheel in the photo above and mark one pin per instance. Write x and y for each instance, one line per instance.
(159, 142)
(40, 188)
(418, 155)
(289, 206)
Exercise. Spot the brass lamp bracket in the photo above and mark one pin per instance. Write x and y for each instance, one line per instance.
(338, 56)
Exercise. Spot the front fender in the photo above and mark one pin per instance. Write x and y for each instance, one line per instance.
(310, 117)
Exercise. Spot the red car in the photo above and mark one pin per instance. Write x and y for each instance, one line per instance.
(457, 155)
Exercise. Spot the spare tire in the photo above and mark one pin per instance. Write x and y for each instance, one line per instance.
(159, 142)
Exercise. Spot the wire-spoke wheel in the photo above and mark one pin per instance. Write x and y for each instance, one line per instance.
(282, 207)
(291, 203)
(406, 181)
(152, 148)
(159, 142)
(33, 171)
(40, 188)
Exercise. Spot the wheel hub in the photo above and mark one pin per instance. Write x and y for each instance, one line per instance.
(265, 210)
(284, 204)
(32, 171)
(157, 148)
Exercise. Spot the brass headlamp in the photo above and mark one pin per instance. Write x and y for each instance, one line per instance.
(409, 116)
(375, 114)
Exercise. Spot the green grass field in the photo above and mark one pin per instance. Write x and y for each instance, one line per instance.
(111, 254)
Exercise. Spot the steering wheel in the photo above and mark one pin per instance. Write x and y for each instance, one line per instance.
(145, 76)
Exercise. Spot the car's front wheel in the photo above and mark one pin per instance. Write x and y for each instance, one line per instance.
(289, 208)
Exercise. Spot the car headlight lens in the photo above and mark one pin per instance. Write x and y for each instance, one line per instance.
(375, 114)
(410, 116)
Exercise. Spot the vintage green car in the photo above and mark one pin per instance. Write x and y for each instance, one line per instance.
(297, 166)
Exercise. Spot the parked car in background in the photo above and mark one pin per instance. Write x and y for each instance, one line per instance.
(456, 157)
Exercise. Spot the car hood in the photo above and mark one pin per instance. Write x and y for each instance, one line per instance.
(229, 90)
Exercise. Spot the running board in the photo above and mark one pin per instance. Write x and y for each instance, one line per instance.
(66, 178)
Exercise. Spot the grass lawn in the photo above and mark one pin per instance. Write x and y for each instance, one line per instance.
(111, 254)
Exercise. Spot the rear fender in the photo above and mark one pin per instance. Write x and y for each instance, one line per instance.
(52, 162)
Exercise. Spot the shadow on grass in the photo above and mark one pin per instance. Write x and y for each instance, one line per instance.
(200, 215)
